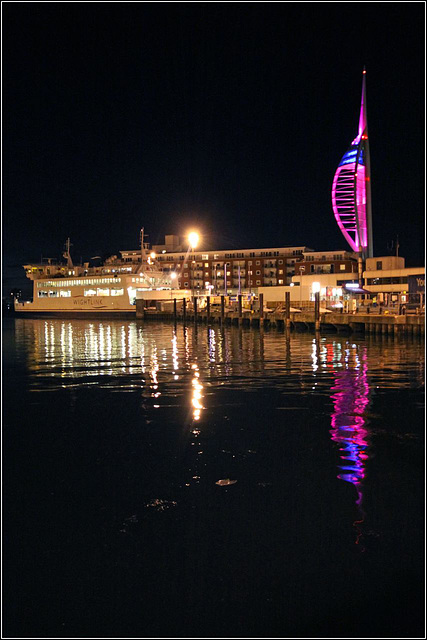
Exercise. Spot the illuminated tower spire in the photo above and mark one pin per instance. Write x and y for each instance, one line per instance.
(351, 188)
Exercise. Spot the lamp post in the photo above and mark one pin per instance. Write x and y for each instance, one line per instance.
(301, 269)
(172, 277)
(193, 239)
(192, 277)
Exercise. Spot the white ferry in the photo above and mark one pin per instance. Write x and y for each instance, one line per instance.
(110, 288)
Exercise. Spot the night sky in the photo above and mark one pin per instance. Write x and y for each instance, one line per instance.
(227, 117)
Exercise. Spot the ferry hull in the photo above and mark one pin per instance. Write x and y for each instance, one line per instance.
(96, 296)
(67, 313)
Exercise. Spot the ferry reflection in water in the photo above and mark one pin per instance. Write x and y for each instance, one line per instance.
(350, 399)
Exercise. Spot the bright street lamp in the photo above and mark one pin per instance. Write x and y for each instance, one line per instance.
(193, 239)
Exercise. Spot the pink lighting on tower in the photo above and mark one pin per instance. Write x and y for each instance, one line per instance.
(351, 192)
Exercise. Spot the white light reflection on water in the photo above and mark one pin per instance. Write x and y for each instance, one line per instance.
(78, 349)
(175, 359)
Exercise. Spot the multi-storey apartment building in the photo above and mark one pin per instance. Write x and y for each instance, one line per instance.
(224, 270)
(323, 262)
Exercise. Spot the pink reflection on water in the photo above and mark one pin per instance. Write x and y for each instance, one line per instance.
(350, 398)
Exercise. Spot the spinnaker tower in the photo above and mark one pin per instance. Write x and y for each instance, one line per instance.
(351, 189)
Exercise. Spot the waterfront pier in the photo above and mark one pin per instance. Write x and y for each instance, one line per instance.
(305, 320)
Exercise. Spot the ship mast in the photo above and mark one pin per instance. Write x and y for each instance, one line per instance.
(143, 253)
(67, 254)
(143, 256)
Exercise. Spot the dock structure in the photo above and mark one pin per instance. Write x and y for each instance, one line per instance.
(285, 319)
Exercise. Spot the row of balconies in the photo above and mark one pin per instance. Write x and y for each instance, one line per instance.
(232, 282)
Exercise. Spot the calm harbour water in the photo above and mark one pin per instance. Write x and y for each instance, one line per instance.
(115, 435)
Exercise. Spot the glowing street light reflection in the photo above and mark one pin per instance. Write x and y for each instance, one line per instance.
(197, 393)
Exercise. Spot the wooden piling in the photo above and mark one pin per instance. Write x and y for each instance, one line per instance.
(317, 311)
(222, 309)
(287, 310)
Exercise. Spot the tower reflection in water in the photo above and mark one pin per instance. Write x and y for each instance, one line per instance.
(350, 398)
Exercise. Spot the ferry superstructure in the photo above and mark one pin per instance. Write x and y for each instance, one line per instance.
(110, 288)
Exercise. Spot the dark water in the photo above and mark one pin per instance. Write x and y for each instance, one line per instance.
(116, 434)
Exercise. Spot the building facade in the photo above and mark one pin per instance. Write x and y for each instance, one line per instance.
(223, 271)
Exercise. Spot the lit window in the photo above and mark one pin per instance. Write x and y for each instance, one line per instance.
(117, 292)
(102, 292)
(90, 292)
(53, 294)
(64, 294)
(280, 281)
(342, 267)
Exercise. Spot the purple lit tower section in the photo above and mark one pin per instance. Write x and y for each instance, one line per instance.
(351, 189)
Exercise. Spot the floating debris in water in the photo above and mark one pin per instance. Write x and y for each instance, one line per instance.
(133, 518)
(161, 505)
(225, 483)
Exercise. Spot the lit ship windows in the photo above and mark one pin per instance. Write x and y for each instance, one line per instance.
(42, 294)
(53, 294)
(90, 292)
(117, 292)
(102, 292)
(65, 293)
